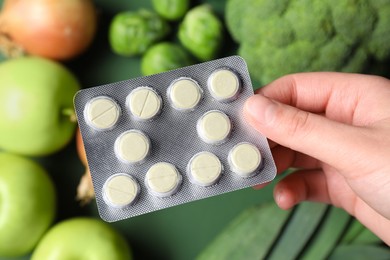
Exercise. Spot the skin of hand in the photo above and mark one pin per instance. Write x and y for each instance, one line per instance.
(335, 129)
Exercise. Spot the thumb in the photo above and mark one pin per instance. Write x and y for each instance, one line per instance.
(315, 135)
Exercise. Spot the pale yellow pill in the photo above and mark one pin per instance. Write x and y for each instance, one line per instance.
(214, 127)
(132, 146)
(245, 159)
(102, 113)
(184, 94)
(144, 103)
(205, 168)
(120, 190)
(224, 85)
(163, 179)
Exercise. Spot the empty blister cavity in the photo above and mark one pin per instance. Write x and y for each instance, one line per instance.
(144, 103)
(224, 85)
(245, 159)
(214, 127)
(132, 146)
(184, 94)
(120, 190)
(102, 113)
(204, 169)
(163, 179)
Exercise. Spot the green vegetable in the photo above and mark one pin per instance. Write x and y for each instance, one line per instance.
(132, 33)
(328, 234)
(201, 32)
(278, 37)
(360, 252)
(163, 57)
(307, 215)
(249, 236)
(310, 231)
(171, 9)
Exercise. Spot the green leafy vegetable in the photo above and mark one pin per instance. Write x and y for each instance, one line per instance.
(328, 235)
(307, 215)
(360, 252)
(249, 236)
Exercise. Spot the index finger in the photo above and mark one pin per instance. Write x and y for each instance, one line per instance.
(334, 94)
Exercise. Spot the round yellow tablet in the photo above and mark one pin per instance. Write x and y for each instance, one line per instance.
(102, 113)
(132, 146)
(245, 159)
(144, 103)
(120, 190)
(184, 94)
(205, 168)
(224, 85)
(214, 127)
(163, 179)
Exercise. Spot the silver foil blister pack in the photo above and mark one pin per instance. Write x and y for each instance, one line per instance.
(163, 140)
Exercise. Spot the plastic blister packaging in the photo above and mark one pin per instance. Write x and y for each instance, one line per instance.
(163, 140)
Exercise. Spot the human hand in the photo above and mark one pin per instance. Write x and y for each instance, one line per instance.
(335, 128)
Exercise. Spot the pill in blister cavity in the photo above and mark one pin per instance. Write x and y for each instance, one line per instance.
(214, 127)
(177, 137)
(102, 113)
(132, 146)
(245, 159)
(163, 179)
(204, 169)
(184, 94)
(120, 190)
(224, 85)
(144, 103)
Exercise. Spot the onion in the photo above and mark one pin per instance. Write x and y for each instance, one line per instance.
(55, 29)
(85, 192)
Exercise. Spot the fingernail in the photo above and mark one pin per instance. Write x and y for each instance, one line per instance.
(260, 109)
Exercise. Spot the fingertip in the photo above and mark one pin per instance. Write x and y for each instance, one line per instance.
(284, 197)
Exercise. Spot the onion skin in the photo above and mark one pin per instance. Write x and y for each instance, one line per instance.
(85, 191)
(55, 29)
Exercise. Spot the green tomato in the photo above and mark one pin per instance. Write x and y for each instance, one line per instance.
(36, 98)
(201, 32)
(163, 57)
(171, 9)
(27, 204)
(82, 238)
(132, 33)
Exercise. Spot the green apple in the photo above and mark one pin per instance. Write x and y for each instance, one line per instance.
(36, 100)
(82, 238)
(27, 204)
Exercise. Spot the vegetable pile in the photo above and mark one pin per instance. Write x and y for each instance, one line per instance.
(148, 34)
(278, 37)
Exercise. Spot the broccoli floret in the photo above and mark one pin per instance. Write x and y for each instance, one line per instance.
(334, 54)
(311, 20)
(255, 11)
(378, 44)
(277, 37)
(353, 19)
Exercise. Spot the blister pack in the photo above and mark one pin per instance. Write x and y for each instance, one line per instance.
(162, 140)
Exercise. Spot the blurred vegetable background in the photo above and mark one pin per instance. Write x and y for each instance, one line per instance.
(82, 44)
